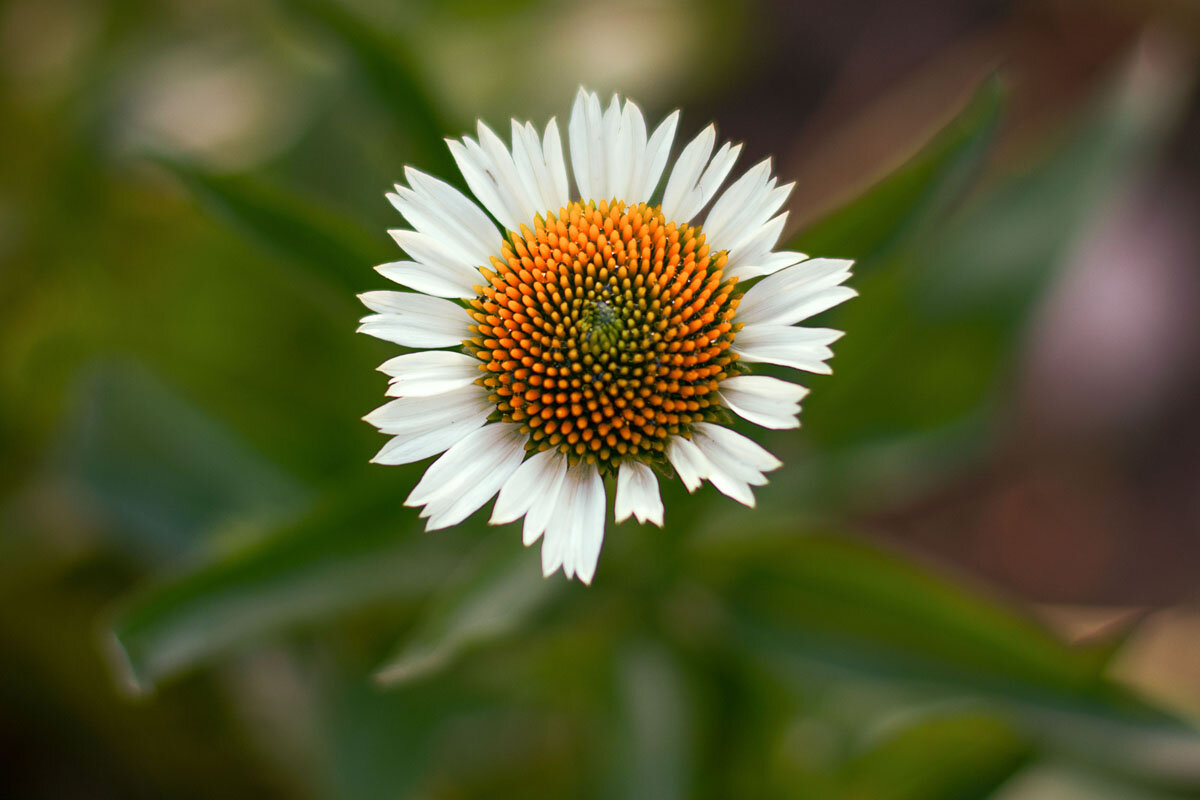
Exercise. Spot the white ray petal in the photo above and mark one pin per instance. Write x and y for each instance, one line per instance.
(686, 172)
(552, 150)
(544, 502)
(637, 494)
(633, 125)
(468, 474)
(731, 211)
(458, 208)
(579, 142)
(413, 415)
(658, 151)
(798, 348)
(434, 253)
(589, 523)
(483, 184)
(459, 244)
(754, 266)
(744, 449)
(688, 461)
(773, 300)
(428, 279)
(530, 167)
(414, 320)
(714, 175)
(499, 164)
(612, 168)
(519, 492)
(765, 401)
(426, 426)
(430, 372)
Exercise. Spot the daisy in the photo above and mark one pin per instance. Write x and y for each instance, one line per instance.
(584, 327)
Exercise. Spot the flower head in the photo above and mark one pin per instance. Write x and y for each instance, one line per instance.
(600, 335)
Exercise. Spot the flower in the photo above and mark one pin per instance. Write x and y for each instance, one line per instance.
(600, 335)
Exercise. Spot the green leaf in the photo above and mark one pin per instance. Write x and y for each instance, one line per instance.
(492, 597)
(933, 333)
(965, 756)
(333, 248)
(161, 469)
(922, 189)
(351, 550)
(390, 70)
(839, 600)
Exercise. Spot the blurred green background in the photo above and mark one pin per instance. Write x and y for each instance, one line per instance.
(974, 577)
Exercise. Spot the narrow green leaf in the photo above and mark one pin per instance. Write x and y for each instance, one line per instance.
(492, 598)
(333, 248)
(839, 600)
(921, 189)
(352, 550)
(388, 67)
(161, 469)
(965, 756)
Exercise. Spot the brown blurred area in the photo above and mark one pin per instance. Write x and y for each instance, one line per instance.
(1094, 496)
(1090, 504)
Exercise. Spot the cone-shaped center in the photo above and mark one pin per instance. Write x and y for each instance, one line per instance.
(604, 331)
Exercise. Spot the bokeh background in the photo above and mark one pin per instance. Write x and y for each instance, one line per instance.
(975, 576)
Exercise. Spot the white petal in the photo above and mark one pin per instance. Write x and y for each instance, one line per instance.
(479, 174)
(610, 131)
(688, 461)
(736, 462)
(544, 503)
(424, 426)
(468, 474)
(633, 130)
(765, 401)
(735, 210)
(460, 246)
(792, 294)
(552, 151)
(519, 492)
(744, 449)
(414, 320)
(714, 175)
(798, 348)
(430, 372)
(589, 523)
(498, 162)
(686, 172)
(637, 494)
(458, 208)
(580, 145)
(414, 415)
(428, 279)
(752, 266)
(658, 150)
(435, 253)
(409, 448)
(530, 166)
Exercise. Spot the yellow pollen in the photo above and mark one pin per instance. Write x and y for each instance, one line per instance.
(604, 331)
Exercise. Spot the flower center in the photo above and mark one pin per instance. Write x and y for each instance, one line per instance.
(605, 331)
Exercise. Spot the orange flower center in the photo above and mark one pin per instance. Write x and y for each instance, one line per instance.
(605, 331)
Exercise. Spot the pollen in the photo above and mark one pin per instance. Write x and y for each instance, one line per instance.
(604, 331)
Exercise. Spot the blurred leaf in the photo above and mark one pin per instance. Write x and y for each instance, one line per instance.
(653, 742)
(333, 248)
(841, 601)
(165, 471)
(934, 330)
(921, 189)
(389, 69)
(961, 757)
(352, 550)
(492, 597)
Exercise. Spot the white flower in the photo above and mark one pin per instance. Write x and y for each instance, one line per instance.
(592, 335)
